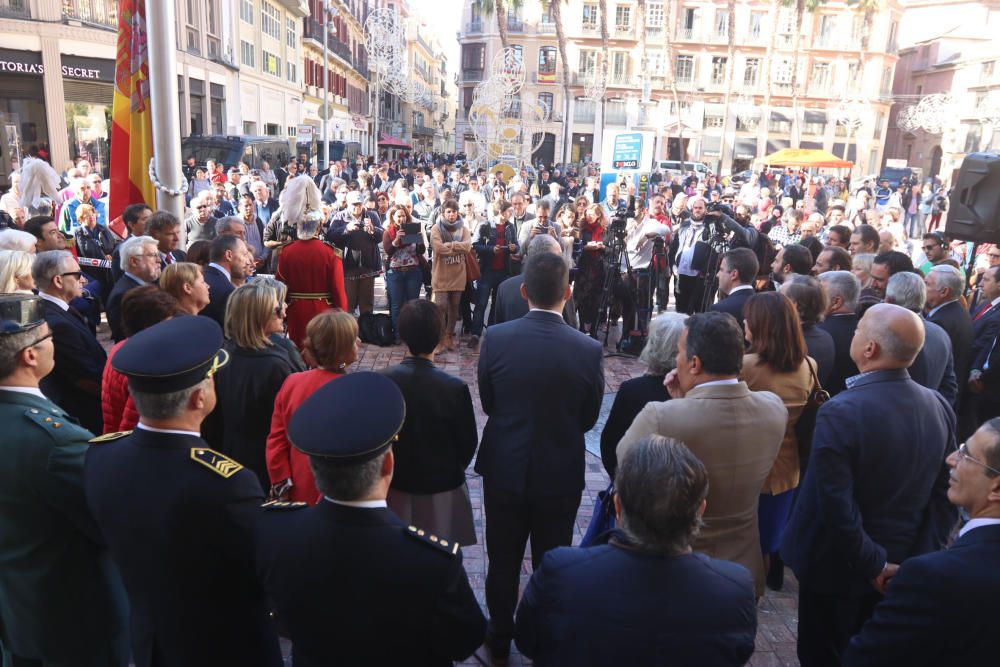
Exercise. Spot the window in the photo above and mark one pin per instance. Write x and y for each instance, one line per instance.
(891, 43)
(518, 52)
(272, 129)
(290, 33)
(853, 76)
(246, 53)
(757, 20)
(546, 101)
(786, 21)
(588, 63)
(819, 81)
(473, 57)
(779, 122)
(197, 88)
(623, 17)
(270, 20)
(722, 24)
(886, 85)
(654, 62)
(713, 121)
(654, 15)
(685, 69)
(719, 70)
(973, 138)
(547, 61)
(292, 72)
(217, 108)
(193, 13)
(783, 72)
(690, 18)
(212, 10)
(249, 127)
(589, 19)
(619, 66)
(270, 63)
(751, 72)
(246, 11)
(857, 27)
(879, 123)
(986, 70)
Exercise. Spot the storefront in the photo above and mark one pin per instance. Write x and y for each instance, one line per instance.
(88, 84)
(22, 107)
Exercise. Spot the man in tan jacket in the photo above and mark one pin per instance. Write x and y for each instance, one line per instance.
(735, 432)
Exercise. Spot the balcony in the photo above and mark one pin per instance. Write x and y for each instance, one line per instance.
(297, 8)
(829, 42)
(96, 13)
(471, 75)
(755, 38)
(546, 28)
(473, 27)
(543, 78)
(819, 90)
(590, 30)
(15, 9)
(623, 32)
(312, 29)
(424, 43)
(686, 34)
(654, 31)
(622, 81)
(515, 25)
(716, 37)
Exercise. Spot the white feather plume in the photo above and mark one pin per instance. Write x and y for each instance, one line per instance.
(300, 199)
(38, 178)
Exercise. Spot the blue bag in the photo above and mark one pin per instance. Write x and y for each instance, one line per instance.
(603, 519)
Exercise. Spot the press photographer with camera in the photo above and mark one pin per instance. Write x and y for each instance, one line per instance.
(695, 249)
(645, 240)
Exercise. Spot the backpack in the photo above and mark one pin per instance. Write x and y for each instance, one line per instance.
(375, 328)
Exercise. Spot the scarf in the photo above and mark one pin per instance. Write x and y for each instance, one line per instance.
(448, 229)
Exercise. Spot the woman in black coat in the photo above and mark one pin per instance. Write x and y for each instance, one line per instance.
(439, 436)
(247, 386)
(660, 357)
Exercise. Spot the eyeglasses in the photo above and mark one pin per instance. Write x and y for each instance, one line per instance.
(75, 274)
(963, 455)
(36, 343)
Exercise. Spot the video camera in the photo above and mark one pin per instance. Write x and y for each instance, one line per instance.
(619, 220)
(718, 228)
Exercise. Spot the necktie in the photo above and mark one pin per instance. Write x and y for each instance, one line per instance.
(982, 311)
(169, 258)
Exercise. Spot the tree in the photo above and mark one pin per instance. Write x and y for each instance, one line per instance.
(556, 8)
(669, 78)
(498, 8)
(730, 70)
(801, 7)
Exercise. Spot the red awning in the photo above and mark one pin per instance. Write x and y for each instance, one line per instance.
(392, 142)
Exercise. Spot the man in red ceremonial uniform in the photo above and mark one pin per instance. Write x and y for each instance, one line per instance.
(312, 269)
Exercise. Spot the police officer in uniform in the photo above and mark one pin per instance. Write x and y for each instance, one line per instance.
(61, 599)
(351, 583)
(179, 517)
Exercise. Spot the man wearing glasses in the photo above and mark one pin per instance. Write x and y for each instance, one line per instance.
(75, 382)
(358, 234)
(200, 226)
(50, 540)
(937, 607)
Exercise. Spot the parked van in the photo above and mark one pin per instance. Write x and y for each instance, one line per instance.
(231, 150)
(674, 166)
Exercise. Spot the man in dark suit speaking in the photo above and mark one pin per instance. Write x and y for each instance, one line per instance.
(737, 273)
(541, 383)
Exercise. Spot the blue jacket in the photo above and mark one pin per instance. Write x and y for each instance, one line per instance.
(615, 605)
(876, 487)
(939, 609)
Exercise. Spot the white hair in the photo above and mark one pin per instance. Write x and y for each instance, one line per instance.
(15, 239)
(907, 290)
(133, 247)
(950, 277)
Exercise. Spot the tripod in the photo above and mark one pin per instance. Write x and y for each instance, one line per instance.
(720, 246)
(615, 255)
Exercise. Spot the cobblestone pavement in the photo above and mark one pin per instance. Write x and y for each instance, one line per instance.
(777, 612)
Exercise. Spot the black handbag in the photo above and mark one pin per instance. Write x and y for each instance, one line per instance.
(807, 420)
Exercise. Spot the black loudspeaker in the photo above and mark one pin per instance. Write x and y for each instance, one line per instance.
(974, 208)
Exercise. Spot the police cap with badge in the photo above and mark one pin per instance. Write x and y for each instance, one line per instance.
(20, 313)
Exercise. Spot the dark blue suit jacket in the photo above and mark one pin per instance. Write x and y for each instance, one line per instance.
(733, 304)
(934, 366)
(875, 490)
(219, 289)
(114, 310)
(984, 331)
(940, 609)
(541, 383)
(956, 322)
(80, 361)
(615, 605)
(841, 328)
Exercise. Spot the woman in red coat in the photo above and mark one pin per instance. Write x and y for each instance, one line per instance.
(331, 344)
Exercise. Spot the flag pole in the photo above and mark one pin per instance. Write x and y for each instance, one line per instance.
(160, 28)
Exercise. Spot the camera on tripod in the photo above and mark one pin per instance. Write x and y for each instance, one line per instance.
(718, 228)
(619, 221)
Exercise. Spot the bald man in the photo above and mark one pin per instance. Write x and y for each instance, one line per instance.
(875, 489)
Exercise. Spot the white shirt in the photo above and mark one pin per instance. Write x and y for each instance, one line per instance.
(739, 288)
(546, 310)
(640, 248)
(363, 504)
(33, 391)
(223, 270)
(142, 426)
(56, 300)
(972, 524)
(939, 307)
(719, 382)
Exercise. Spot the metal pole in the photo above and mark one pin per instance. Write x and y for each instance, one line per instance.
(377, 105)
(324, 108)
(160, 30)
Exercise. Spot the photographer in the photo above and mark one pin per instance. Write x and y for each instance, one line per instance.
(693, 255)
(645, 236)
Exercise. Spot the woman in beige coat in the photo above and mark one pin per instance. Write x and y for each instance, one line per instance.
(451, 242)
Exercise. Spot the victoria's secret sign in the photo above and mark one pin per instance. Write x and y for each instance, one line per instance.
(72, 67)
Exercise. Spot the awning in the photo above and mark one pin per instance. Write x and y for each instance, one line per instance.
(711, 146)
(779, 117)
(390, 141)
(745, 149)
(803, 157)
(814, 116)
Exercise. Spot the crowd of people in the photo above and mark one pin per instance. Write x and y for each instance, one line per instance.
(822, 395)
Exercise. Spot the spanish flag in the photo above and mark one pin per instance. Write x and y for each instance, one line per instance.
(131, 128)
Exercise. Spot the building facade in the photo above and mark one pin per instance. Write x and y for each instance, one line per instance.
(773, 85)
(270, 61)
(953, 48)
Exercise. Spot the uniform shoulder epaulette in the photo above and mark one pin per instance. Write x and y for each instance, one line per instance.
(282, 505)
(213, 460)
(51, 420)
(340, 253)
(442, 544)
(108, 437)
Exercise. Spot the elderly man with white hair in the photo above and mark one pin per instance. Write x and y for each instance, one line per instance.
(265, 204)
(200, 225)
(139, 259)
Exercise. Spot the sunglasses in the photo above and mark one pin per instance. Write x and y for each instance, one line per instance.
(75, 274)
(928, 248)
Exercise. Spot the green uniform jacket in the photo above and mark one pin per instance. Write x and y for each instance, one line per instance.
(61, 597)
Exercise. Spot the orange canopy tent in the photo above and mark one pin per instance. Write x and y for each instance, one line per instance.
(806, 157)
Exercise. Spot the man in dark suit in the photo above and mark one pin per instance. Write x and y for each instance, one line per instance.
(934, 366)
(695, 609)
(166, 229)
(510, 304)
(985, 328)
(875, 490)
(188, 564)
(737, 273)
(133, 224)
(938, 607)
(50, 541)
(230, 259)
(541, 384)
(944, 285)
(141, 265)
(352, 583)
(842, 291)
(75, 382)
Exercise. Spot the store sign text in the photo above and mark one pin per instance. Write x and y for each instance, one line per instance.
(39, 69)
